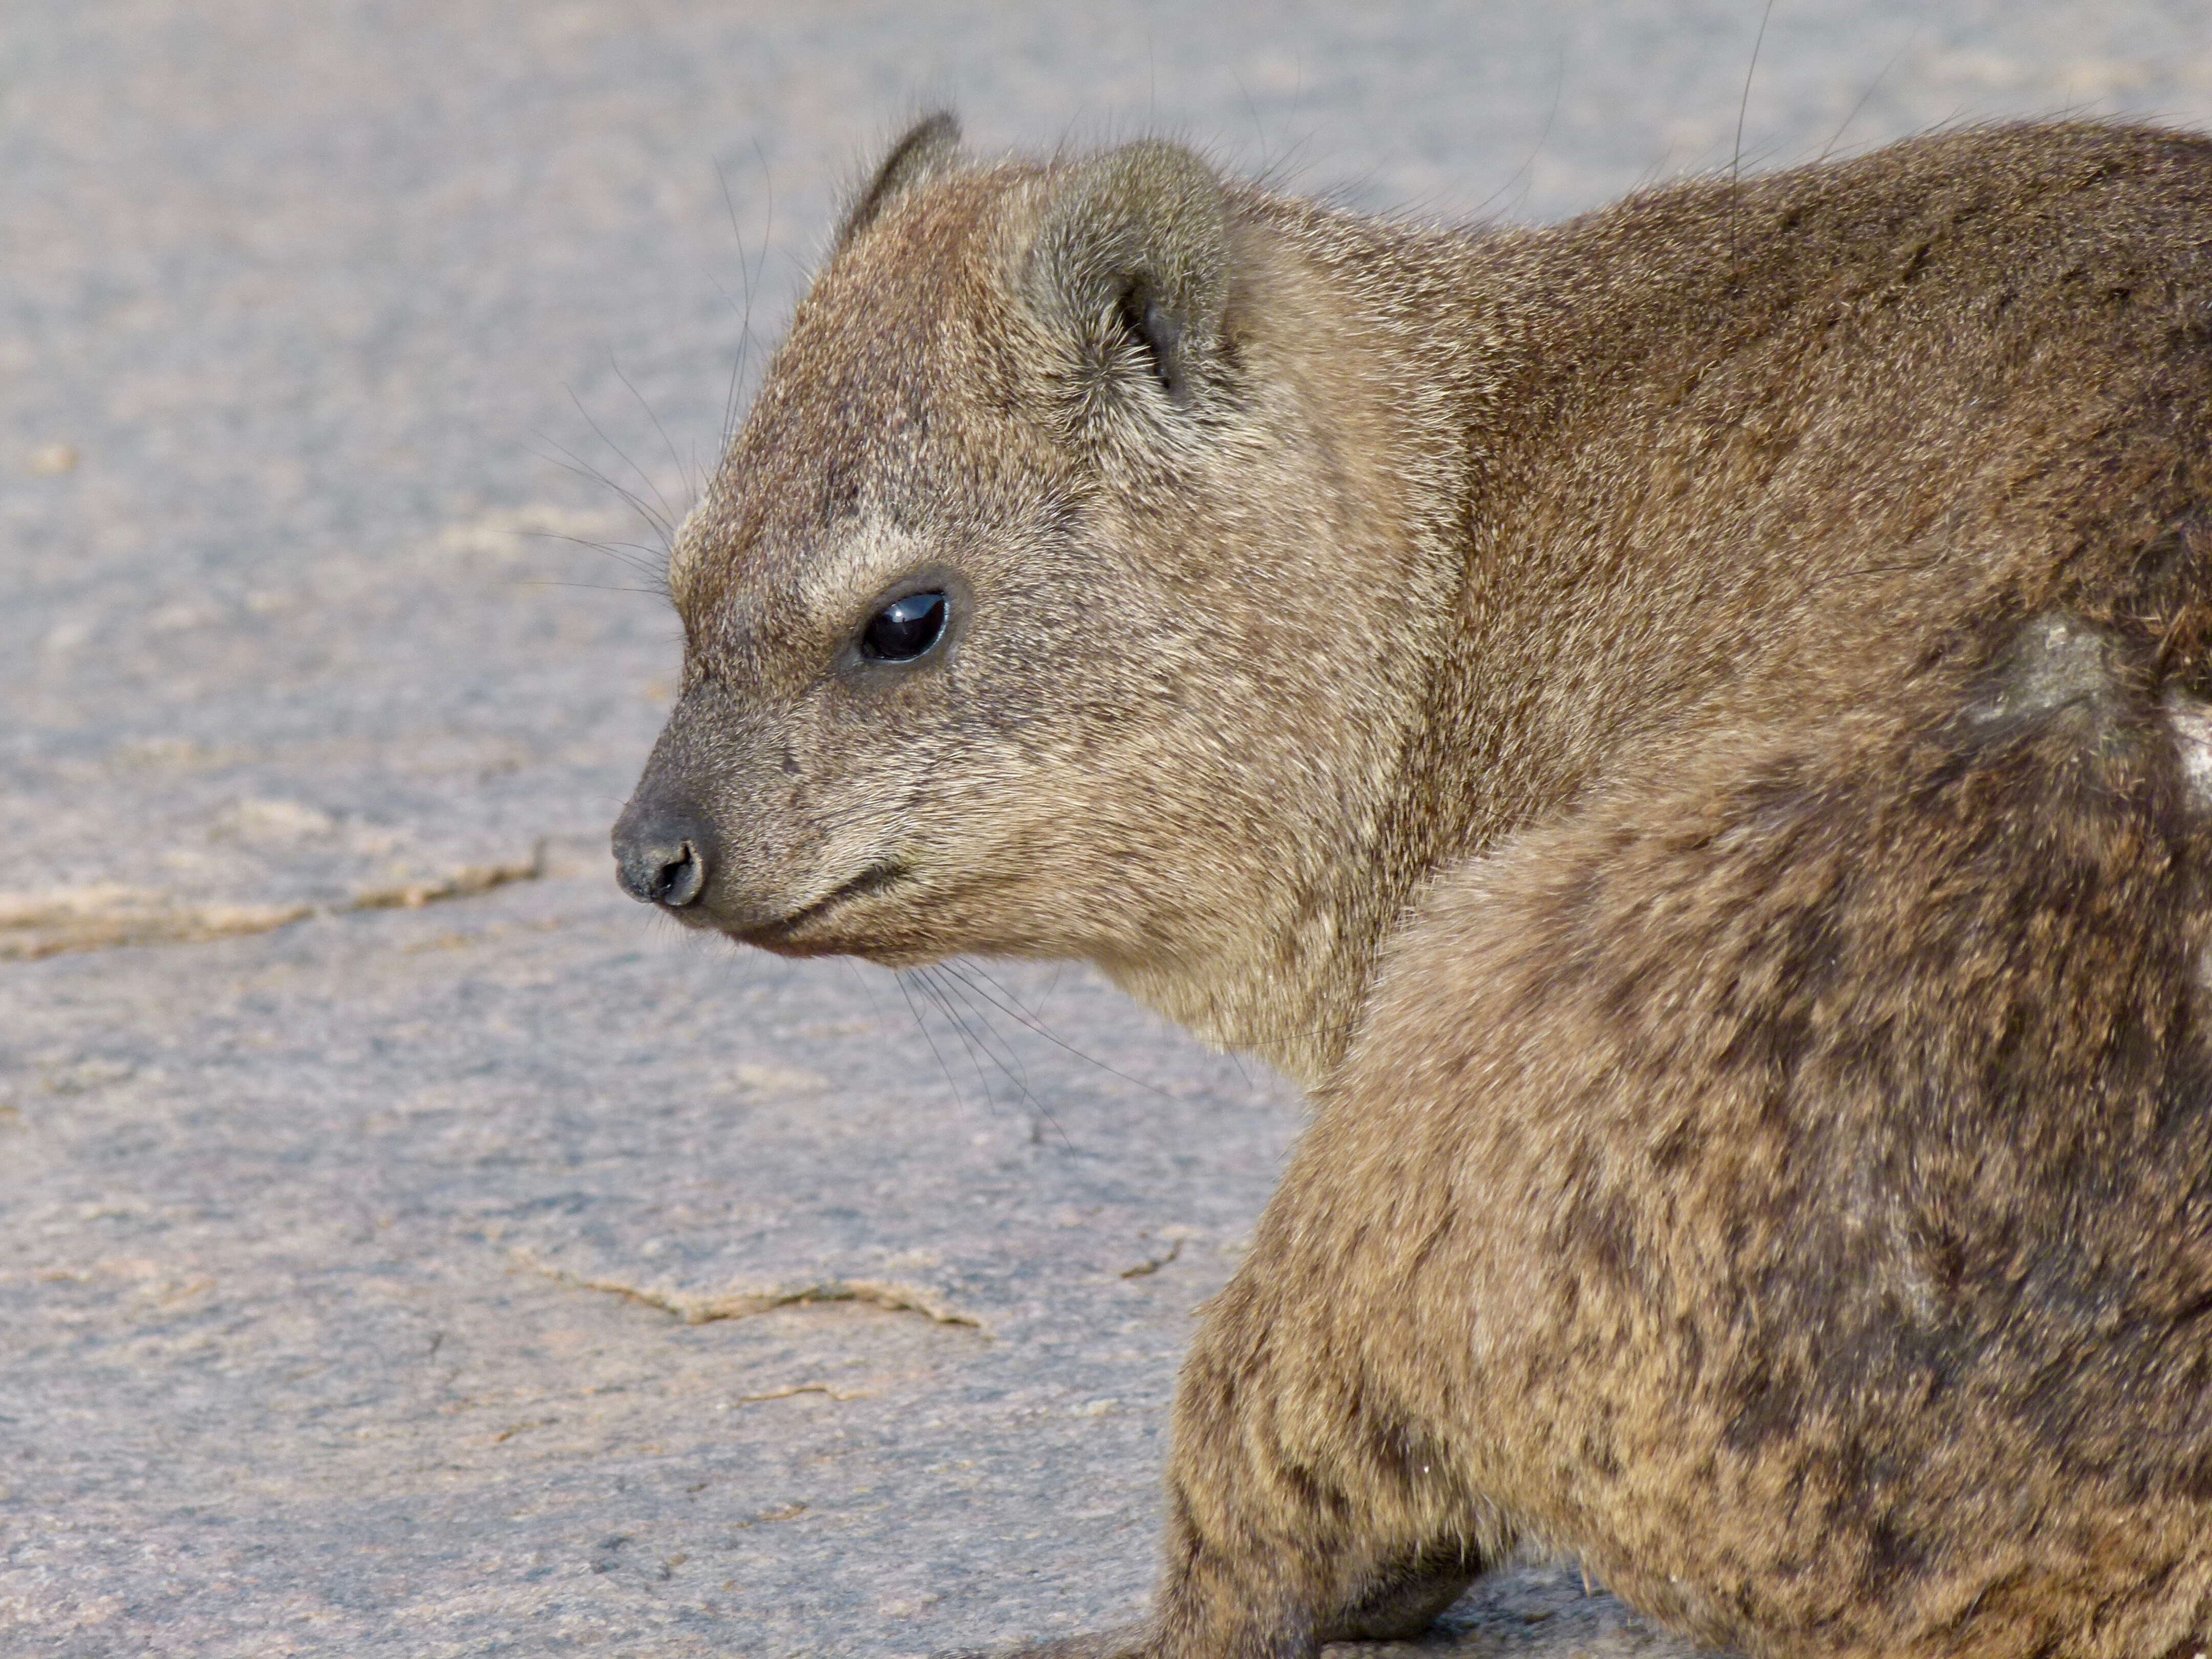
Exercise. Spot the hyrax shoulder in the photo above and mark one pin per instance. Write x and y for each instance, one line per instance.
(1688, 728)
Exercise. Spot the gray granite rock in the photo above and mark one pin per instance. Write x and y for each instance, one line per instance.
(405, 1245)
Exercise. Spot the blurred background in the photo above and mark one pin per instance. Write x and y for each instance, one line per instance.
(407, 1245)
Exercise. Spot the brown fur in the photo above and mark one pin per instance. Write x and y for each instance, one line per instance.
(1688, 730)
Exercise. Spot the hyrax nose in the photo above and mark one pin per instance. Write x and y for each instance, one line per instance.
(661, 856)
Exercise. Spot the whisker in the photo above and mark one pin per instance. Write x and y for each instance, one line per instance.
(930, 989)
(745, 314)
(978, 1042)
(1045, 995)
(667, 443)
(1836, 136)
(1528, 161)
(1743, 107)
(922, 1026)
(583, 468)
(667, 529)
(595, 587)
(646, 560)
(767, 218)
(1015, 1009)
(1017, 1074)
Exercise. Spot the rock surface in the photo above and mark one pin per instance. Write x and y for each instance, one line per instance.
(406, 1246)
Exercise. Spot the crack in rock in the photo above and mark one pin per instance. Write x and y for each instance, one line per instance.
(782, 1512)
(739, 1302)
(1152, 1264)
(104, 917)
(467, 881)
(790, 1391)
(35, 925)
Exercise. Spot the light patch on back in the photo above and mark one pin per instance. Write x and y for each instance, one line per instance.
(2056, 661)
(2190, 722)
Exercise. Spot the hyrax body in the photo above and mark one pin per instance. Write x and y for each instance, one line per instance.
(1687, 730)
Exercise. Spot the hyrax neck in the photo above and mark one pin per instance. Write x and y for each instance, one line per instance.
(1397, 377)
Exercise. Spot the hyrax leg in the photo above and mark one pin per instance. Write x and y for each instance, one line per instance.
(1306, 1502)
(1309, 1500)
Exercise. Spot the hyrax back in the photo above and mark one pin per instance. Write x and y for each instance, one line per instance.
(1689, 730)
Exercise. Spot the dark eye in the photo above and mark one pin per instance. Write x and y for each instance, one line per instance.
(904, 629)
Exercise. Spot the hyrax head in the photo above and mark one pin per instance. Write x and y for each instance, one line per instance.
(1009, 623)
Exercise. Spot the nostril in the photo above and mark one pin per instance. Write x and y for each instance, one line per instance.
(654, 870)
(682, 877)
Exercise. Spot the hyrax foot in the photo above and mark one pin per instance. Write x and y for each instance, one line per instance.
(1401, 1607)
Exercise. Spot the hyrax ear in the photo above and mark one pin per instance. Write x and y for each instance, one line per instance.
(1133, 252)
(930, 148)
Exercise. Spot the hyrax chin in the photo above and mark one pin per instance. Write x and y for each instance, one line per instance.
(1688, 730)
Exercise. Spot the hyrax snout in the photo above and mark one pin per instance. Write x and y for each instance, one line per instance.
(1687, 730)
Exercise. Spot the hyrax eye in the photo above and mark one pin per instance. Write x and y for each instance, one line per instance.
(905, 629)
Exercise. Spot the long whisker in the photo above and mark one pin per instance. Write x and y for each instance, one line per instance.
(1742, 108)
(646, 560)
(1836, 138)
(950, 988)
(978, 1040)
(930, 989)
(768, 219)
(745, 314)
(1045, 995)
(1528, 161)
(575, 462)
(922, 1026)
(595, 587)
(667, 528)
(667, 442)
(1009, 1007)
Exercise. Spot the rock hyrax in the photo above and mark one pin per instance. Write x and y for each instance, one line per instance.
(1686, 731)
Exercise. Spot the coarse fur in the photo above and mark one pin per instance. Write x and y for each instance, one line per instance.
(1687, 730)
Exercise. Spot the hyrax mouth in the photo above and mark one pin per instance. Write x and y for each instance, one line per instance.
(782, 934)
